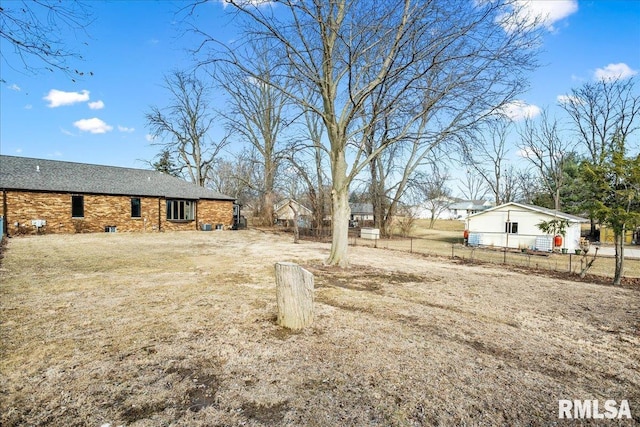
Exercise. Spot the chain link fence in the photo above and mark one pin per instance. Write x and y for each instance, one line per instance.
(603, 265)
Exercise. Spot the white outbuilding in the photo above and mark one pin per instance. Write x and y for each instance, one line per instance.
(515, 225)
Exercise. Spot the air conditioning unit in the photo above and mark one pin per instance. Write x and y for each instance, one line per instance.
(38, 223)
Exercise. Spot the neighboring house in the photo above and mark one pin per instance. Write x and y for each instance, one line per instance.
(450, 208)
(439, 208)
(515, 225)
(284, 213)
(461, 209)
(47, 196)
(361, 214)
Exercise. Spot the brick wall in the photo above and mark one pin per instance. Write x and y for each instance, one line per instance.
(101, 211)
(215, 212)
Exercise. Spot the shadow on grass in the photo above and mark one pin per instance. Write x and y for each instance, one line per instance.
(447, 239)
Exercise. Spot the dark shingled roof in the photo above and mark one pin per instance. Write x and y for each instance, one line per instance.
(361, 208)
(22, 173)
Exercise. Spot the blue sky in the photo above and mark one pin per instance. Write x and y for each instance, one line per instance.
(132, 45)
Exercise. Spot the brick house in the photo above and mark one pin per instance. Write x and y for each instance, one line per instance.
(47, 196)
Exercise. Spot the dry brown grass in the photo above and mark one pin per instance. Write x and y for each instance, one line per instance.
(179, 329)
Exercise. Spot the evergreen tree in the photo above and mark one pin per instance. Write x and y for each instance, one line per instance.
(615, 200)
(166, 164)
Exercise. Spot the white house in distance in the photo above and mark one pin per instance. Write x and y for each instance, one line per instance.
(284, 213)
(461, 209)
(361, 214)
(515, 225)
(449, 208)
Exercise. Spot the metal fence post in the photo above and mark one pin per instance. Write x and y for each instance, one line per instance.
(570, 263)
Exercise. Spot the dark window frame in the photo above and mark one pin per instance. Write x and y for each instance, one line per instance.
(511, 227)
(77, 206)
(136, 207)
(180, 210)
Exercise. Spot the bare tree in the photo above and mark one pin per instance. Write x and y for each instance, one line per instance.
(529, 185)
(547, 151)
(434, 194)
(487, 157)
(511, 190)
(307, 159)
(255, 115)
(36, 30)
(427, 62)
(473, 186)
(233, 177)
(182, 128)
(406, 219)
(320, 155)
(602, 111)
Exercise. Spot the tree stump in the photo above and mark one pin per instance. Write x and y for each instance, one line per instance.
(294, 292)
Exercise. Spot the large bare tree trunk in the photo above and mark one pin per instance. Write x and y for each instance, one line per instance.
(268, 185)
(294, 293)
(340, 213)
(339, 227)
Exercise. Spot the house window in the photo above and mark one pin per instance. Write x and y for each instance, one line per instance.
(180, 210)
(135, 207)
(511, 227)
(77, 206)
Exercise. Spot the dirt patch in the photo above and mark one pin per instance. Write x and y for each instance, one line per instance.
(360, 278)
(266, 414)
(179, 329)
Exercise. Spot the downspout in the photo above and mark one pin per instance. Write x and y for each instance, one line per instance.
(159, 215)
(4, 213)
(196, 216)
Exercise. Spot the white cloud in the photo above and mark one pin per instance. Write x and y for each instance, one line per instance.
(149, 137)
(565, 99)
(519, 110)
(96, 105)
(526, 152)
(542, 13)
(66, 132)
(125, 129)
(15, 87)
(59, 98)
(614, 71)
(18, 150)
(28, 107)
(93, 125)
